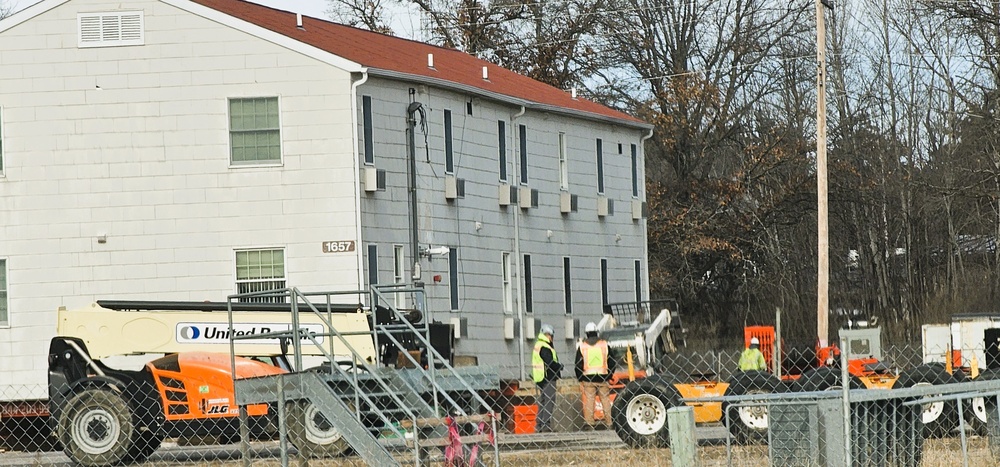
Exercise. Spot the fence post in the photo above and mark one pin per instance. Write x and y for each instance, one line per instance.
(845, 382)
(683, 442)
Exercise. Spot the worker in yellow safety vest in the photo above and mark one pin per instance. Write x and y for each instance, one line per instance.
(545, 368)
(593, 370)
(752, 359)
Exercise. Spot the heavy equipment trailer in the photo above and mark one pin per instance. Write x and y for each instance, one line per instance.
(105, 416)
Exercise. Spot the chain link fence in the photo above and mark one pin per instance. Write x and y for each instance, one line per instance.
(933, 418)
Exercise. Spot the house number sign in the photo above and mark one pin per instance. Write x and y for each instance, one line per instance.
(339, 246)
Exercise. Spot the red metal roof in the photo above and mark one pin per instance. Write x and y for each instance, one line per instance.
(382, 52)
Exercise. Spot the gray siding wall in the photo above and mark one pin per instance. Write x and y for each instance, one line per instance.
(582, 236)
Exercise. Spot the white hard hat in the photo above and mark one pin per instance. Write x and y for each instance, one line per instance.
(591, 327)
(754, 341)
(547, 329)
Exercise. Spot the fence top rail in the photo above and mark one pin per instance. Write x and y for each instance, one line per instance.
(924, 394)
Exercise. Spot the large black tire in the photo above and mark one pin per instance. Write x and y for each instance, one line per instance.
(939, 418)
(823, 379)
(975, 408)
(96, 428)
(749, 423)
(639, 412)
(311, 433)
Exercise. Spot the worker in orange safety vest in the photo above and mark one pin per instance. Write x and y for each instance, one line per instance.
(593, 370)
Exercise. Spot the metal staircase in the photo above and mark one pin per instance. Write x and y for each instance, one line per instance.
(380, 411)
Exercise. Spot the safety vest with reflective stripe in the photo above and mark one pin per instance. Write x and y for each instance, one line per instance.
(537, 365)
(595, 357)
(752, 359)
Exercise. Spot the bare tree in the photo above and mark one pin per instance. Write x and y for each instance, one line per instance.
(6, 8)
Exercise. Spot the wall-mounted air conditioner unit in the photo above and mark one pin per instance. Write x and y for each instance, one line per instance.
(605, 206)
(460, 326)
(510, 328)
(568, 202)
(373, 179)
(531, 328)
(506, 194)
(572, 328)
(638, 210)
(528, 197)
(454, 187)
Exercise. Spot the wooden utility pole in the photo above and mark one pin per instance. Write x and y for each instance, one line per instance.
(823, 230)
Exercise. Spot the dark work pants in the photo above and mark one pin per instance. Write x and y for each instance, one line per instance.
(546, 403)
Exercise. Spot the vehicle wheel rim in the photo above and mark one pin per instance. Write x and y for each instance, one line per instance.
(318, 429)
(932, 411)
(96, 431)
(646, 414)
(754, 416)
(979, 408)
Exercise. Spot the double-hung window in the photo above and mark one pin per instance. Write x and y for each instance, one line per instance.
(369, 131)
(506, 285)
(1, 141)
(563, 163)
(449, 144)
(635, 172)
(258, 271)
(567, 287)
(4, 315)
(502, 148)
(600, 166)
(604, 281)
(254, 134)
(522, 137)
(398, 271)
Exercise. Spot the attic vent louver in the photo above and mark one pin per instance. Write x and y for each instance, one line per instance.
(110, 29)
(298, 20)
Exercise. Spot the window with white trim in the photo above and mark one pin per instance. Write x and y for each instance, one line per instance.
(369, 129)
(449, 144)
(260, 270)
(563, 163)
(110, 29)
(4, 316)
(506, 285)
(567, 287)
(638, 280)
(372, 265)
(522, 138)
(600, 166)
(453, 277)
(604, 281)
(528, 308)
(1, 140)
(398, 274)
(254, 134)
(635, 172)
(502, 148)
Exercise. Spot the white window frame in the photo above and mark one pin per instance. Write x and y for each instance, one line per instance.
(2, 126)
(259, 280)
(507, 285)
(563, 163)
(255, 163)
(399, 274)
(110, 29)
(4, 294)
